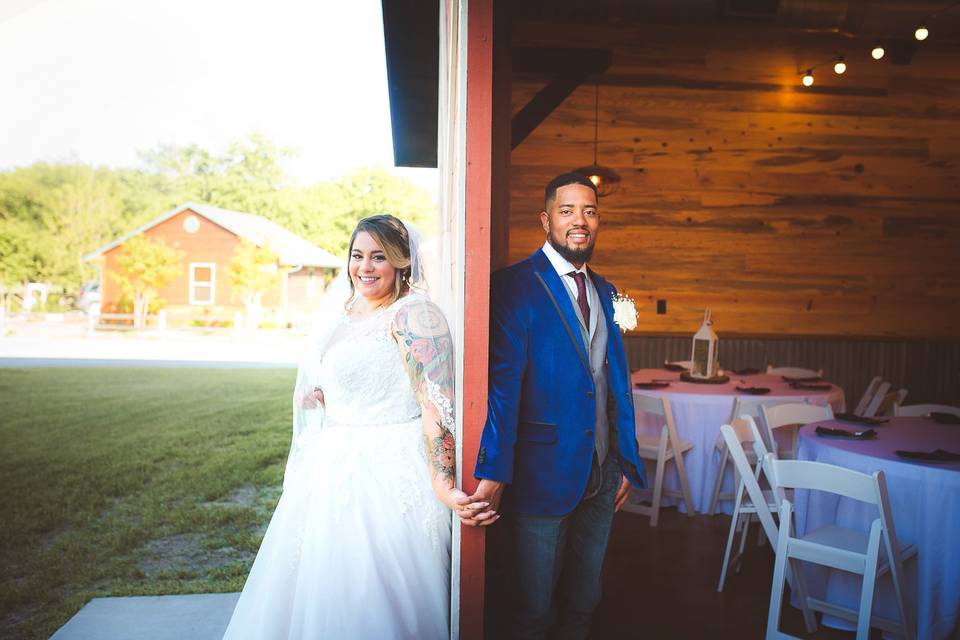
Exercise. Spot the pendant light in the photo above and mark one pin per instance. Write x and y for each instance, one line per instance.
(605, 179)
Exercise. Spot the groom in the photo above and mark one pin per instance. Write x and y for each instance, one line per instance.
(560, 425)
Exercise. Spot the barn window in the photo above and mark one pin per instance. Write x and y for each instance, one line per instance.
(203, 282)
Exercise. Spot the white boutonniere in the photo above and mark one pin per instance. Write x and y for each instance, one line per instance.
(624, 312)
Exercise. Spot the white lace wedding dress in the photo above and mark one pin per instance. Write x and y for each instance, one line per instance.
(358, 546)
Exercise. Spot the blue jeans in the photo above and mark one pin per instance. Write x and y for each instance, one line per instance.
(559, 562)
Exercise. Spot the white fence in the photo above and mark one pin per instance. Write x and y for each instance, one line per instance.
(97, 321)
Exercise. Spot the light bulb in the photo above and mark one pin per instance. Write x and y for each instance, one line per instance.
(808, 78)
(595, 179)
(921, 33)
(877, 53)
(840, 66)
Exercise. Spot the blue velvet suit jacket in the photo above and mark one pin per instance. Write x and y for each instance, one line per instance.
(541, 408)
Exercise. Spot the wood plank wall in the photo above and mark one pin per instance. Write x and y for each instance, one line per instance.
(831, 211)
(927, 369)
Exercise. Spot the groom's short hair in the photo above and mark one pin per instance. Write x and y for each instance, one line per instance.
(562, 180)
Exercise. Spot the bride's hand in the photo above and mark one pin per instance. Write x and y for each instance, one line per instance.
(311, 398)
(470, 513)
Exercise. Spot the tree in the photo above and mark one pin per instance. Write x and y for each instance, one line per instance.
(143, 268)
(252, 272)
(59, 212)
(19, 252)
(365, 192)
(247, 177)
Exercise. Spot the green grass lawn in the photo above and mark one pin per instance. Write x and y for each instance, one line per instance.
(133, 482)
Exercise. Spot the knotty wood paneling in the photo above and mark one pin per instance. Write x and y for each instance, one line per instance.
(831, 211)
(928, 369)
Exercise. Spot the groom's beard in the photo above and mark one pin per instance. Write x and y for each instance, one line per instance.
(572, 255)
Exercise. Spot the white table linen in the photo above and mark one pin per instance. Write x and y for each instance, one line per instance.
(699, 410)
(925, 502)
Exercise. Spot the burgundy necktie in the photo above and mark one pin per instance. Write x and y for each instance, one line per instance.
(582, 296)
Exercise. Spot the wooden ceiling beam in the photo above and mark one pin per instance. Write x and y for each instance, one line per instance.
(567, 69)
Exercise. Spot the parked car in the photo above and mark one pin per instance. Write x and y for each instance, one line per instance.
(88, 296)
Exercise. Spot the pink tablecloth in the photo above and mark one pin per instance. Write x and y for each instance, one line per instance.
(925, 501)
(700, 409)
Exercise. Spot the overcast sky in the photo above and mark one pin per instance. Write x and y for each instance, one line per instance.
(96, 80)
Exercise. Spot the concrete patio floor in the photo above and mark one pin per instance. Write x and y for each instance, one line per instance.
(190, 617)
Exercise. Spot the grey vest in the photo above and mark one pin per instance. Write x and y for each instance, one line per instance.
(597, 341)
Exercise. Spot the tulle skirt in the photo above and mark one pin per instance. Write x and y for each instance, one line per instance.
(358, 546)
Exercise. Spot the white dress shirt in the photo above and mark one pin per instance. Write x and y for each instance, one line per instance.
(563, 267)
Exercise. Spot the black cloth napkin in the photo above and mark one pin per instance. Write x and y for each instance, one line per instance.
(827, 432)
(939, 455)
(746, 371)
(673, 367)
(754, 391)
(651, 385)
(867, 420)
(944, 418)
(812, 386)
(806, 379)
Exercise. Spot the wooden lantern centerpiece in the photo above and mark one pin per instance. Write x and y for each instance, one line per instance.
(704, 360)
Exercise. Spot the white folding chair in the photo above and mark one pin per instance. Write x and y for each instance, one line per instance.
(741, 406)
(868, 395)
(794, 372)
(874, 404)
(851, 550)
(925, 409)
(739, 437)
(790, 416)
(888, 405)
(661, 449)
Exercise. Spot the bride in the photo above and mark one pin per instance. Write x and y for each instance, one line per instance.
(359, 545)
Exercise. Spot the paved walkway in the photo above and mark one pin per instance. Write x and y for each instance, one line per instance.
(193, 617)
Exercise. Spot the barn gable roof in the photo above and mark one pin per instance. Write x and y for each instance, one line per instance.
(291, 248)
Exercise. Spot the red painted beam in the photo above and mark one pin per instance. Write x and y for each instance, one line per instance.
(479, 135)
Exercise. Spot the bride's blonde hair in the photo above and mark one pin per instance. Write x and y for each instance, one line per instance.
(391, 236)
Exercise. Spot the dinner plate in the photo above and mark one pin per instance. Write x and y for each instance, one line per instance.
(812, 386)
(826, 432)
(867, 420)
(939, 455)
(944, 418)
(650, 385)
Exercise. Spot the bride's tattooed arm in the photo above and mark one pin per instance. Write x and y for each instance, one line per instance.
(427, 351)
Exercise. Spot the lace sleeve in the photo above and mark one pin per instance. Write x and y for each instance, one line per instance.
(426, 348)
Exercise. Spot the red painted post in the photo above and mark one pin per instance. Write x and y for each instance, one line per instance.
(476, 293)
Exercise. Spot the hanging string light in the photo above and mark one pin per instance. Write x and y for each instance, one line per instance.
(922, 32)
(838, 62)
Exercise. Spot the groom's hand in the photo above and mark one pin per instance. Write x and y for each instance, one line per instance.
(622, 494)
(488, 493)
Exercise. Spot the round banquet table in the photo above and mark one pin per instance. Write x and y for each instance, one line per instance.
(925, 502)
(699, 410)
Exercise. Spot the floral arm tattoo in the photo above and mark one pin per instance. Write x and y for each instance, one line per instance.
(427, 350)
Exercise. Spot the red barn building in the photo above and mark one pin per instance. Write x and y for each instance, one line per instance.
(208, 237)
